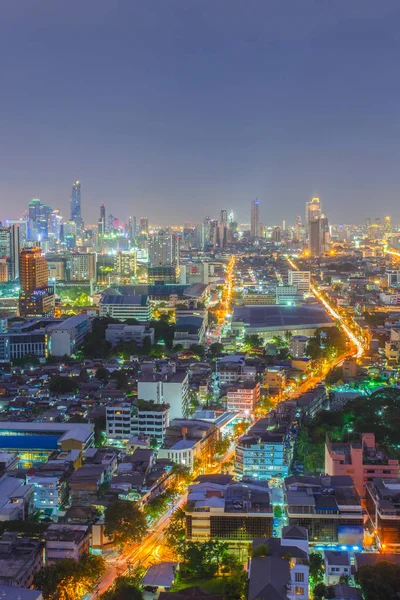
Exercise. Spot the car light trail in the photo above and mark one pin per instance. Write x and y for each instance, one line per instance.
(358, 342)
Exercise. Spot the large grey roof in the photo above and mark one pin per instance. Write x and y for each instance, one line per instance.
(281, 316)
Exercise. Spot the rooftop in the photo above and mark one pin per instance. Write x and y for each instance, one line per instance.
(281, 316)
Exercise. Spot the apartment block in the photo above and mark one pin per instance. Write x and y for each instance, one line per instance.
(243, 398)
(363, 461)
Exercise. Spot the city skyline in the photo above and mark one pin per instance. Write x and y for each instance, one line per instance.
(188, 107)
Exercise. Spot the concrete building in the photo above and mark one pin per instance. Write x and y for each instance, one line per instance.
(243, 398)
(383, 509)
(328, 507)
(282, 573)
(337, 565)
(126, 307)
(190, 441)
(66, 337)
(14, 592)
(231, 512)
(300, 279)
(66, 541)
(51, 491)
(125, 264)
(190, 329)
(274, 379)
(166, 388)
(82, 266)
(20, 559)
(262, 456)
(16, 499)
(124, 420)
(118, 332)
(288, 295)
(363, 461)
(298, 346)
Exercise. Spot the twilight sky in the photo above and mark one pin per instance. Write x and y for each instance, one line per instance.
(177, 108)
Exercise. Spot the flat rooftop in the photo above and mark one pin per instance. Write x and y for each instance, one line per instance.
(288, 317)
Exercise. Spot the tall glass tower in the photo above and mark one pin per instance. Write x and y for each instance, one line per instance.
(76, 214)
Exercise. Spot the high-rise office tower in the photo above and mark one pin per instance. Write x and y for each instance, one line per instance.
(9, 250)
(298, 227)
(23, 231)
(81, 266)
(388, 224)
(39, 215)
(36, 296)
(144, 225)
(325, 233)
(255, 218)
(224, 216)
(102, 219)
(276, 234)
(315, 237)
(378, 221)
(76, 214)
(313, 212)
(163, 257)
(131, 228)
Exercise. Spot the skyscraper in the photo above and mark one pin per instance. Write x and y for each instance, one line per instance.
(9, 250)
(255, 218)
(315, 237)
(102, 219)
(36, 296)
(388, 224)
(144, 225)
(39, 215)
(313, 212)
(76, 214)
(163, 257)
(224, 216)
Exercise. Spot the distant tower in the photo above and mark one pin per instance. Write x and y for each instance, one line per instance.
(76, 214)
(388, 224)
(255, 218)
(224, 216)
(313, 212)
(36, 297)
(102, 219)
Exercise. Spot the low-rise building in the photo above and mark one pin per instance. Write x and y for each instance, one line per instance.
(243, 398)
(261, 456)
(16, 499)
(274, 379)
(190, 441)
(383, 510)
(118, 332)
(123, 307)
(66, 541)
(364, 461)
(280, 569)
(20, 559)
(337, 565)
(298, 346)
(125, 420)
(328, 507)
(235, 513)
(66, 337)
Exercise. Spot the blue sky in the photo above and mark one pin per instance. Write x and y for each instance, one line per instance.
(177, 108)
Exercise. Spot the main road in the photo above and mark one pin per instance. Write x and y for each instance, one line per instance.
(150, 550)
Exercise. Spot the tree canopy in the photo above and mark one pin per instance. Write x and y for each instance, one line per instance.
(69, 578)
(380, 581)
(62, 385)
(124, 522)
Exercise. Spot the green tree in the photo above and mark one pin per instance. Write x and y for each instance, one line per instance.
(316, 568)
(62, 385)
(175, 532)
(216, 349)
(253, 341)
(124, 522)
(124, 588)
(102, 374)
(202, 559)
(319, 591)
(235, 589)
(260, 550)
(222, 446)
(197, 349)
(380, 581)
(70, 579)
